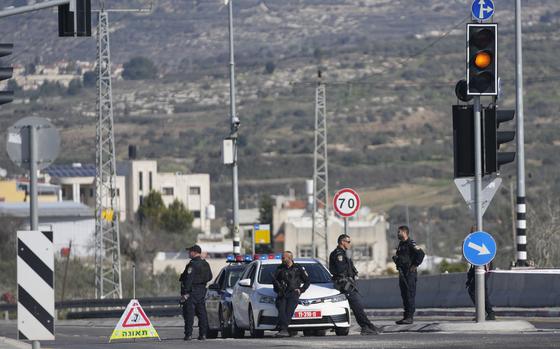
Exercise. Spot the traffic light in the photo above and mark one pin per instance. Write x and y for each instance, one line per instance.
(76, 14)
(463, 141)
(6, 73)
(493, 138)
(482, 59)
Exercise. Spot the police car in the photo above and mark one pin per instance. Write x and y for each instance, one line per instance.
(320, 308)
(218, 298)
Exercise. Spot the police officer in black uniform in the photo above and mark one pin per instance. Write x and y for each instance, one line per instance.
(408, 258)
(343, 275)
(290, 281)
(193, 293)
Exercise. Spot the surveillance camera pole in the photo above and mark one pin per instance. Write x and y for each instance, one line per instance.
(233, 134)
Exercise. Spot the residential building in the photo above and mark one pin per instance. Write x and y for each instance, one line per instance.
(17, 190)
(134, 181)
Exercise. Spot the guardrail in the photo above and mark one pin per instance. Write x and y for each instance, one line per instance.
(530, 289)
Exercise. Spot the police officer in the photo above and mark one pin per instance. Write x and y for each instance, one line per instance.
(471, 289)
(193, 293)
(408, 258)
(343, 275)
(290, 281)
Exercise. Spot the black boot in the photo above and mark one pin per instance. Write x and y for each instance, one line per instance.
(407, 320)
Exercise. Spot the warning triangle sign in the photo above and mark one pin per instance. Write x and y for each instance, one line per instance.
(134, 323)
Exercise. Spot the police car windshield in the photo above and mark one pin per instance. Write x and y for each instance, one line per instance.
(317, 273)
(233, 276)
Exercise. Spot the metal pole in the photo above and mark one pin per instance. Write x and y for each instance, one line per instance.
(513, 220)
(234, 129)
(345, 225)
(133, 281)
(31, 8)
(33, 214)
(479, 272)
(521, 207)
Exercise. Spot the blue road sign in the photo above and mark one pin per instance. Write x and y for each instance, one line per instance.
(482, 9)
(479, 248)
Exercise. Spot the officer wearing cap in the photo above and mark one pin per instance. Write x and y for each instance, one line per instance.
(407, 259)
(343, 275)
(290, 281)
(193, 280)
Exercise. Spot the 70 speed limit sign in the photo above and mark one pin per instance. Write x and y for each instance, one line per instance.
(346, 202)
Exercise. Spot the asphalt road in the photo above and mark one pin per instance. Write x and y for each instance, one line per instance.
(80, 335)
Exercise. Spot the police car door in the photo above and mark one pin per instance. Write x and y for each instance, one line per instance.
(213, 301)
(241, 303)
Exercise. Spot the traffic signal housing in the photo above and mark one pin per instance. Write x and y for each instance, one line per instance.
(463, 141)
(74, 19)
(493, 138)
(482, 59)
(6, 73)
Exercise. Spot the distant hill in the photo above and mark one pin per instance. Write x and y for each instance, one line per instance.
(390, 130)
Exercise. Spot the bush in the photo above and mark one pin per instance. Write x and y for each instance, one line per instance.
(139, 68)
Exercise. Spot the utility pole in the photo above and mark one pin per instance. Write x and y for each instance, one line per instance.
(320, 215)
(108, 282)
(234, 128)
(521, 205)
(107, 240)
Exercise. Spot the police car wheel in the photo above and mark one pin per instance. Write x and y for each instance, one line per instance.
(236, 332)
(342, 331)
(254, 332)
(226, 325)
(212, 334)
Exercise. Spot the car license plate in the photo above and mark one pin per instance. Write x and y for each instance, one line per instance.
(307, 314)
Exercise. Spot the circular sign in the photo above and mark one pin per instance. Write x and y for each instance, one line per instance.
(479, 248)
(346, 202)
(48, 142)
(482, 9)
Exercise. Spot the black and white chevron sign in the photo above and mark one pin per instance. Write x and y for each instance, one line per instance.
(35, 277)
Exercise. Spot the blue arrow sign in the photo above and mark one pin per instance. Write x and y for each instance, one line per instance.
(482, 9)
(479, 248)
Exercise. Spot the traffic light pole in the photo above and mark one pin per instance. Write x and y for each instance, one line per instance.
(233, 135)
(479, 271)
(521, 207)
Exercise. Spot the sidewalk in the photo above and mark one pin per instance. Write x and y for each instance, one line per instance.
(467, 312)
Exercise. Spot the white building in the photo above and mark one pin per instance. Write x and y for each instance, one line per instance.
(135, 179)
(368, 230)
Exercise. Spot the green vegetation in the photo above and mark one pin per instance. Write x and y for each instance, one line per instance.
(139, 68)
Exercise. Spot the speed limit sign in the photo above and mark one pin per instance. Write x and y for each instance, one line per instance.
(346, 202)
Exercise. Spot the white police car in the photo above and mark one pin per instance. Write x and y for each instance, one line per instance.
(320, 308)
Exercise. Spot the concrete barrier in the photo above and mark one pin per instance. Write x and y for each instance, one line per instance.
(506, 289)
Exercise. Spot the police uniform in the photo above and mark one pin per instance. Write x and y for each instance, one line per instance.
(471, 289)
(193, 284)
(408, 258)
(343, 276)
(286, 281)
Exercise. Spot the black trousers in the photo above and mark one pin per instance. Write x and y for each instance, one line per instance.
(472, 292)
(407, 284)
(358, 309)
(286, 306)
(195, 304)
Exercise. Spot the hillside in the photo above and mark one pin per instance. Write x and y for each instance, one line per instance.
(390, 130)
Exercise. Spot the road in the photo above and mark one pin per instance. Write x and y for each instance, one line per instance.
(82, 335)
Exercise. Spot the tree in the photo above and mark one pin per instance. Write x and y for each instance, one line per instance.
(139, 68)
(266, 203)
(74, 87)
(90, 79)
(151, 209)
(176, 218)
(269, 67)
(543, 219)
